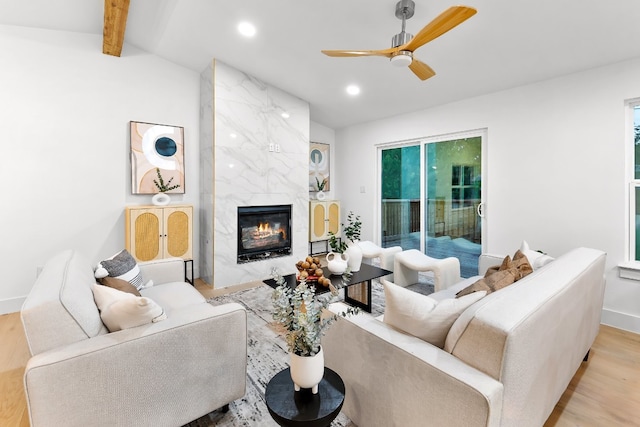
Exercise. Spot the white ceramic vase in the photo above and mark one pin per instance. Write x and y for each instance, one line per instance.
(337, 263)
(320, 195)
(307, 371)
(161, 199)
(355, 255)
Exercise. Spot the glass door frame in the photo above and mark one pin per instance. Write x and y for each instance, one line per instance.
(422, 142)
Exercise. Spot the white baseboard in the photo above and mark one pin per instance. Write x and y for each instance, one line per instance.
(625, 321)
(11, 305)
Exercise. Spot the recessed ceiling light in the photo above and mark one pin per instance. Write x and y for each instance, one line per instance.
(247, 29)
(353, 90)
(233, 135)
(285, 115)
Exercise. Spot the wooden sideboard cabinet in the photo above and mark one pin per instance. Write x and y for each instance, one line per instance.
(324, 217)
(153, 232)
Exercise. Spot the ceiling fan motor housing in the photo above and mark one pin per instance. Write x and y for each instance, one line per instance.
(400, 39)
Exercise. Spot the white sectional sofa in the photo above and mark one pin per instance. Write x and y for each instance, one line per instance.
(507, 359)
(166, 373)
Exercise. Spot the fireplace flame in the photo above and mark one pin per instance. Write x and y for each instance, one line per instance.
(264, 230)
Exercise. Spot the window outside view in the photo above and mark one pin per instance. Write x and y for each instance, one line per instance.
(448, 198)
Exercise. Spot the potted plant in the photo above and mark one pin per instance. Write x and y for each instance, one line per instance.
(352, 233)
(337, 259)
(161, 198)
(299, 311)
(320, 185)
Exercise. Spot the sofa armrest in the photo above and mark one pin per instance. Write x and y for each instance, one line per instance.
(164, 270)
(170, 372)
(422, 382)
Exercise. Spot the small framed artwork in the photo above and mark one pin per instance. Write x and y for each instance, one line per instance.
(319, 155)
(157, 158)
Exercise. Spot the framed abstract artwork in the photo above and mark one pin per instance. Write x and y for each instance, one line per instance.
(319, 155)
(157, 158)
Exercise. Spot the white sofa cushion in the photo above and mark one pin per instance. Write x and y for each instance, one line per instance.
(422, 316)
(121, 310)
(173, 296)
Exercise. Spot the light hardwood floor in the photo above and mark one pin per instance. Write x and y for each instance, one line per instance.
(604, 392)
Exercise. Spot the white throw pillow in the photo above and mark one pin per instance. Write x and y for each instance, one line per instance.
(122, 310)
(422, 316)
(536, 259)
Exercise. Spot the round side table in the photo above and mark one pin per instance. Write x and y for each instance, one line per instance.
(302, 408)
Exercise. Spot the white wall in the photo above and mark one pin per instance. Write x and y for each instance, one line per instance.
(325, 135)
(556, 168)
(65, 170)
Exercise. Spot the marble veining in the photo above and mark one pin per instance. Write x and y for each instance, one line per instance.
(238, 169)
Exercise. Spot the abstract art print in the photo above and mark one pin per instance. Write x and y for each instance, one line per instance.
(157, 154)
(319, 166)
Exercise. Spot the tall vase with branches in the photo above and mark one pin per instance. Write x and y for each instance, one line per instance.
(299, 311)
(352, 233)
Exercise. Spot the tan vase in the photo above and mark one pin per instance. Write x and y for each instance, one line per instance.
(307, 371)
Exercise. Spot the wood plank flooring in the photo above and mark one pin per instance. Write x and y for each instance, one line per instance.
(604, 392)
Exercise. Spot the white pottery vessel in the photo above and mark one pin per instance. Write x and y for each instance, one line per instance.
(161, 199)
(307, 371)
(337, 263)
(355, 255)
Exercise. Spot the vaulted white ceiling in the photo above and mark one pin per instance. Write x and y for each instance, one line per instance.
(506, 44)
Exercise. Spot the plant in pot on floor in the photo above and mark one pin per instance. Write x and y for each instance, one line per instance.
(352, 233)
(299, 311)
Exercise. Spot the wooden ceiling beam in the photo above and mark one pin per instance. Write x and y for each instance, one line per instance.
(115, 22)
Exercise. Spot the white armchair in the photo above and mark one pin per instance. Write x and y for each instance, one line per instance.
(160, 374)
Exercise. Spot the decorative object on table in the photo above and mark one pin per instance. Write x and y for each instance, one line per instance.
(310, 270)
(337, 260)
(337, 263)
(319, 166)
(352, 233)
(299, 311)
(154, 147)
(162, 198)
(320, 186)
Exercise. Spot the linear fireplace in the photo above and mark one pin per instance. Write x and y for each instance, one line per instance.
(263, 232)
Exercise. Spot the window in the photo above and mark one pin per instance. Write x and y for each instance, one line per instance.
(634, 181)
(465, 190)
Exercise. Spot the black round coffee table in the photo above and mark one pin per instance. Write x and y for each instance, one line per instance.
(302, 408)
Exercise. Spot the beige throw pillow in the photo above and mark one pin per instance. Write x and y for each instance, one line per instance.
(510, 271)
(422, 316)
(122, 310)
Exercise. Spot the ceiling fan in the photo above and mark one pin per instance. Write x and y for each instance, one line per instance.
(404, 44)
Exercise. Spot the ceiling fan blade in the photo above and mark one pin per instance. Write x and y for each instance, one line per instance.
(422, 70)
(446, 21)
(347, 53)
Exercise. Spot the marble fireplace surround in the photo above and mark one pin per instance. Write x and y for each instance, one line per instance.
(240, 117)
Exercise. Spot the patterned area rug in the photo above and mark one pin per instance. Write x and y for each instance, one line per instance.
(267, 355)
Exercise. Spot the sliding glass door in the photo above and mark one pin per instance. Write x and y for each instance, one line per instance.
(431, 193)
(400, 189)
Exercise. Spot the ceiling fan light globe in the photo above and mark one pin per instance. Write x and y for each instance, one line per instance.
(401, 60)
